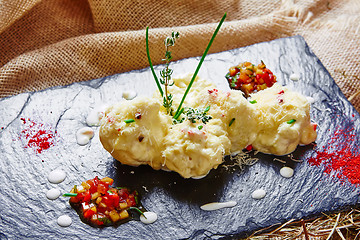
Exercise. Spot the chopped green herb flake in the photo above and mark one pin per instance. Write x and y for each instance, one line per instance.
(291, 121)
(200, 127)
(207, 109)
(253, 101)
(231, 122)
(111, 192)
(105, 220)
(129, 120)
(70, 194)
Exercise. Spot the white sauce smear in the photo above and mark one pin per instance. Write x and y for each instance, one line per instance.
(286, 172)
(83, 135)
(217, 205)
(258, 194)
(53, 194)
(310, 99)
(57, 176)
(295, 77)
(64, 221)
(94, 117)
(128, 95)
(150, 217)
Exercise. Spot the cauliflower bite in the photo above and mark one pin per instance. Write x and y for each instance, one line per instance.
(283, 121)
(133, 131)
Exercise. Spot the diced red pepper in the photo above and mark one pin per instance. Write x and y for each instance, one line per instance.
(88, 213)
(102, 188)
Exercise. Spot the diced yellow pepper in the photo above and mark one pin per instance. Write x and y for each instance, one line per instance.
(124, 214)
(114, 216)
(107, 180)
(95, 195)
(123, 205)
(85, 185)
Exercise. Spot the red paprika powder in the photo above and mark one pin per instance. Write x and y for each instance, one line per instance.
(340, 156)
(38, 136)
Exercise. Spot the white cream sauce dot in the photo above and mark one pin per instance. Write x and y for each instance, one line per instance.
(258, 194)
(53, 193)
(286, 172)
(310, 99)
(294, 77)
(95, 115)
(217, 205)
(57, 176)
(150, 217)
(128, 95)
(64, 221)
(83, 135)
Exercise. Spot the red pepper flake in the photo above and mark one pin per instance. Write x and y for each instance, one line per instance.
(249, 147)
(37, 135)
(340, 157)
(213, 92)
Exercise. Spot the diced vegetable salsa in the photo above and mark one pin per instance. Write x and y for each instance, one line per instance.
(250, 78)
(99, 204)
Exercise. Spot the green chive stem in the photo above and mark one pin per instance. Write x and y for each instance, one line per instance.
(291, 121)
(231, 121)
(199, 65)
(179, 113)
(70, 194)
(129, 120)
(253, 101)
(138, 210)
(150, 63)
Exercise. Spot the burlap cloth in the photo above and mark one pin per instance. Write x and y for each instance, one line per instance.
(58, 42)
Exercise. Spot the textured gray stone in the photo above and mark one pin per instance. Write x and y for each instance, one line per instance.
(25, 211)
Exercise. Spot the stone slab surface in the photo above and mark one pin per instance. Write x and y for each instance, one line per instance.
(26, 213)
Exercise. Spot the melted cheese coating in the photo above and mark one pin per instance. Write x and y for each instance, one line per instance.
(193, 149)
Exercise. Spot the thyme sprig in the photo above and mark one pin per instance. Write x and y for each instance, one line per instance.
(167, 72)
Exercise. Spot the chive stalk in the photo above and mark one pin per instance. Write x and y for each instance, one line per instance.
(150, 63)
(138, 210)
(291, 121)
(231, 121)
(129, 120)
(70, 194)
(199, 65)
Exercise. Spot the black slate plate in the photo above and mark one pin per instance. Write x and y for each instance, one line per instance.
(26, 212)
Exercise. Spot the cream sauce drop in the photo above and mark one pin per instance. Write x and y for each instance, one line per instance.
(95, 115)
(295, 77)
(83, 135)
(57, 176)
(217, 205)
(258, 194)
(310, 99)
(53, 193)
(150, 217)
(286, 172)
(128, 95)
(64, 221)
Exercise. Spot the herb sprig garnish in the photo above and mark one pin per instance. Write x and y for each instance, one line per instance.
(191, 113)
(166, 72)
